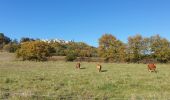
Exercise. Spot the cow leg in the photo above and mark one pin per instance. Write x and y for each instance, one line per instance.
(155, 71)
(149, 70)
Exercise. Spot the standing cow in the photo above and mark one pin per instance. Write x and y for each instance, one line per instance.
(78, 66)
(151, 67)
(99, 67)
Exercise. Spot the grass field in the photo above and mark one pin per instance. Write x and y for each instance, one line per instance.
(60, 80)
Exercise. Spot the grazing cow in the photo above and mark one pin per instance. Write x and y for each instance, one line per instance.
(151, 67)
(78, 65)
(99, 67)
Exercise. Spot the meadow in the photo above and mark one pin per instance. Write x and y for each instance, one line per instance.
(59, 80)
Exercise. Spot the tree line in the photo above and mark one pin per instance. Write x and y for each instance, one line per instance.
(138, 49)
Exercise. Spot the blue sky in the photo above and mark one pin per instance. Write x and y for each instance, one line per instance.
(84, 20)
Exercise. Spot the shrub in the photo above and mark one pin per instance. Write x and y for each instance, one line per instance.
(71, 56)
(10, 47)
(34, 50)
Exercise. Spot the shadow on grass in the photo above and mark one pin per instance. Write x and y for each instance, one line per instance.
(103, 70)
(83, 68)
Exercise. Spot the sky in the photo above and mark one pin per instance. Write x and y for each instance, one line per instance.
(84, 20)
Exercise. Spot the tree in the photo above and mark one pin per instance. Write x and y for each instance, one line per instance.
(34, 50)
(71, 56)
(4, 40)
(11, 47)
(134, 48)
(81, 49)
(15, 41)
(111, 48)
(26, 39)
(160, 48)
(59, 48)
(145, 47)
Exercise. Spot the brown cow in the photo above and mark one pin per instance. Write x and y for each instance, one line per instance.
(99, 67)
(78, 65)
(151, 67)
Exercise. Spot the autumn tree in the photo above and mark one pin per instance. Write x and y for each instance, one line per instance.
(145, 47)
(134, 48)
(160, 48)
(111, 48)
(34, 50)
(81, 49)
(59, 48)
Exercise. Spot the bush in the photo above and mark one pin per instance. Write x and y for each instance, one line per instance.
(10, 47)
(71, 56)
(34, 50)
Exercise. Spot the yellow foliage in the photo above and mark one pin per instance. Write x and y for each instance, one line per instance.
(34, 50)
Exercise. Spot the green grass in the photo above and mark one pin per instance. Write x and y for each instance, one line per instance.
(60, 80)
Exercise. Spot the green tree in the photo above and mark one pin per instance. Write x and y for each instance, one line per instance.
(11, 47)
(59, 48)
(71, 56)
(4, 40)
(81, 49)
(26, 39)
